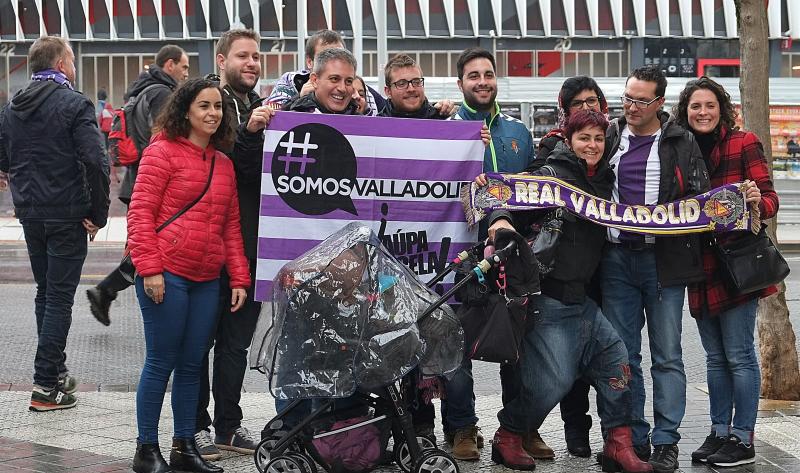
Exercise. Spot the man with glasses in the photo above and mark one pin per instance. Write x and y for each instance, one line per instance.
(644, 277)
(405, 91)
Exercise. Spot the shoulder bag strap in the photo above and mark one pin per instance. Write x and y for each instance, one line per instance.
(191, 204)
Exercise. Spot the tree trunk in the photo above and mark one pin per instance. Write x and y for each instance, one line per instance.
(780, 377)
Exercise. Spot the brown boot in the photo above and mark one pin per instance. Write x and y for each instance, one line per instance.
(507, 451)
(465, 444)
(533, 444)
(618, 454)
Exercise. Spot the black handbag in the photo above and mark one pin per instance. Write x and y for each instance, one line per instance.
(546, 242)
(751, 262)
(126, 267)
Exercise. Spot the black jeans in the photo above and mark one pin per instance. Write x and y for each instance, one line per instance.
(57, 251)
(230, 340)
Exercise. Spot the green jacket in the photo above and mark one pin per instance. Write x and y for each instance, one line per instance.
(511, 148)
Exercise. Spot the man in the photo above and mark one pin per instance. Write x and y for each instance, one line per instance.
(510, 149)
(53, 152)
(296, 83)
(239, 63)
(644, 278)
(154, 86)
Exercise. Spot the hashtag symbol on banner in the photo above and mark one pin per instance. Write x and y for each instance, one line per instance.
(304, 159)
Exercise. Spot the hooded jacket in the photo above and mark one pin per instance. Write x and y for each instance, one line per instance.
(52, 148)
(144, 115)
(580, 247)
(172, 173)
(511, 148)
(683, 173)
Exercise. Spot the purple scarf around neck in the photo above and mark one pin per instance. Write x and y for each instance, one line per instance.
(53, 75)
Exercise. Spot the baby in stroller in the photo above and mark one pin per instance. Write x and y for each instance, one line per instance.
(342, 329)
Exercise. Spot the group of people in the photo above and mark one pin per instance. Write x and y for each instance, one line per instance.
(193, 231)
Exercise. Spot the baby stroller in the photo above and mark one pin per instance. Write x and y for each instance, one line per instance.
(343, 327)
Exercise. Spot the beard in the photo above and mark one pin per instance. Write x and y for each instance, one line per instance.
(473, 101)
(238, 83)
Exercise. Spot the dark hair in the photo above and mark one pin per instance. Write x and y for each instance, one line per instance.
(45, 52)
(102, 94)
(363, 84)
(172, 119)
(397, 62)
(651, 73)
(572, 87)
(167, 52)
(321, 37)
(727, 113)
(227, 39)
(582, 119)
(470, 54)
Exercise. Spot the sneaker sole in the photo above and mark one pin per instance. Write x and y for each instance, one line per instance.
(231, 448)
(740, 462)
(42, 407)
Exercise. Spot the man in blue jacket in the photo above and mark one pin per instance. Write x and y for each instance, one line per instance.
(54, 154)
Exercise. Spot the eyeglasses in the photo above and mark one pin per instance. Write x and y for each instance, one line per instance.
(403, 84)
(590, 102)
(639, 103)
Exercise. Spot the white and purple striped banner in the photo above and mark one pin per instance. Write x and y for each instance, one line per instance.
(402, 177)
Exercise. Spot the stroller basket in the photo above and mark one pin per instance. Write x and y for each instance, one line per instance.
(344, 315)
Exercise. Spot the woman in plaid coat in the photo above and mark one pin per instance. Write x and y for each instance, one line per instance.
(725, 319)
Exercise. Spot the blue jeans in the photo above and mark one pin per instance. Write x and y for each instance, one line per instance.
(631, 295)
(176, 333)
(57, 251)
(458, 405)
(565, 343)
(734, 378)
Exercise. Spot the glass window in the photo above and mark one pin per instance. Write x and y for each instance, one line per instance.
(75, 20)
(273, 67)
(269, 21)
(462, 24)
(599, 64)
(287, 63)
(316, 16)
(52, 20)
(651, 26)
(438, 19)
(440, 65)
(425, 62)
(510, 19)
(605, 19)
(171, 19)
(558, 20)
(570, 64)
(675, 28)
(520, 64)
(148, 22)
(584, 64)
(613, 65)
(103, 79)
(194, 66)
(28, 18)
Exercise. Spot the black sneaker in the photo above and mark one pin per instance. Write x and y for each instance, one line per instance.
(709, 447)
(100, 303)
(733, 453)
(241, 441)
(43, 401)
(664, 458)
(208, 451)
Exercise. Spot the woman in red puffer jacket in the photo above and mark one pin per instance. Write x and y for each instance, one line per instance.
(178, 267)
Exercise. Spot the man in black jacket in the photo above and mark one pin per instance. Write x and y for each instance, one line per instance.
(643, 277)
(239, 64)
(151, 88)
(52, 149)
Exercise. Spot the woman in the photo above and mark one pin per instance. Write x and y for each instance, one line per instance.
(360, 96)
(577, 93)
(178, 268)
(726, 320)
(569, 337)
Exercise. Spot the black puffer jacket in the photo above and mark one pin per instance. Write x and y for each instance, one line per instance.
(52, 148)
(580, 247)
(683, 173)
(426, 112)
(144, 115)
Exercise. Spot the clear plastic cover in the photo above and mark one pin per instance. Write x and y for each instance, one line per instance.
(344, 315)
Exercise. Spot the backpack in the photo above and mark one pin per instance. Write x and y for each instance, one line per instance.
(123, 148)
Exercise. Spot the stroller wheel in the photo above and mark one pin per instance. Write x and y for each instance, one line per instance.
(436, 461)
(308, 463)
(264, 449)
(286, 464)
(402, 456)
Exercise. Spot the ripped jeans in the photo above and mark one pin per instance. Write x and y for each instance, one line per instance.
(565, 343)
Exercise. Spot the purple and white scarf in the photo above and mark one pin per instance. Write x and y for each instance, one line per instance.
(51, 74)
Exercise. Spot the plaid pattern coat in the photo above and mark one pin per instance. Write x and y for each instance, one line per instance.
(738, 155)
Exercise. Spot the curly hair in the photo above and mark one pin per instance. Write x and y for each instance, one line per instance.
(727, 113)
(582, 119)
(173, 119)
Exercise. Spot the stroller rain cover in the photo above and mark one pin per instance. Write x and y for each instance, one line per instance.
(344, 315)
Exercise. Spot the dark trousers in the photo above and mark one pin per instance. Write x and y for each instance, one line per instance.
(230, 341)
(57, 251)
